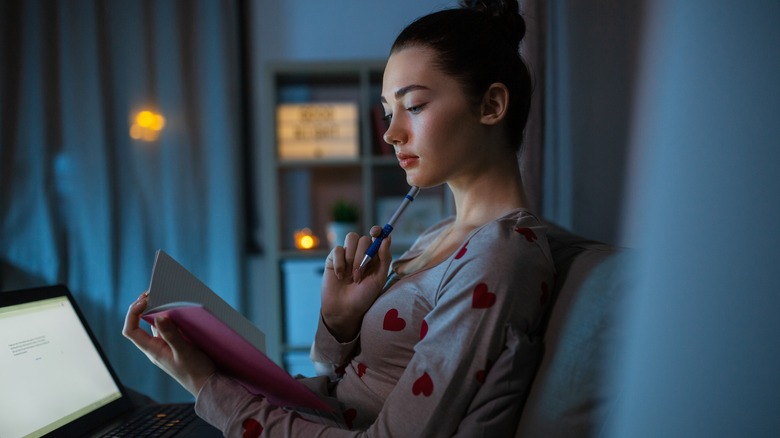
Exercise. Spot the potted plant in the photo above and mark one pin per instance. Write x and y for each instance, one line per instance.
(344, 218)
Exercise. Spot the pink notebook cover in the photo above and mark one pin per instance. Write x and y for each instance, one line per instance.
(238, 358)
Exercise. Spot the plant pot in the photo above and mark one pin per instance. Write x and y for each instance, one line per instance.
(337, 231)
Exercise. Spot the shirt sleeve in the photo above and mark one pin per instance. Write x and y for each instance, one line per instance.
(490, 300)
(328, 352)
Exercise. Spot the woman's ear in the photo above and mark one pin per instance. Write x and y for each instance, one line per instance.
(494, 104)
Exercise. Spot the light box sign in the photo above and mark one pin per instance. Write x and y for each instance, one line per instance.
(313, 131)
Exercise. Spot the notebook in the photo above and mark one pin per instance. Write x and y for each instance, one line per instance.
(56, 380)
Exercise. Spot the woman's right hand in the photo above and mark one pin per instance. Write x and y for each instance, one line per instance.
(168, 348)
(348, 292)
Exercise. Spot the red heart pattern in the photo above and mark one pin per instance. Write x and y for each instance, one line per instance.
(423, 385)
(392, 322)
(252, 429)
(482, 374)
(361, 369)
(423, 329)
(527, 232)
(462, 251)
(482, 298)
(349, 417)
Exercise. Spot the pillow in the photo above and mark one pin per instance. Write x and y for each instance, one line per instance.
(572, 392)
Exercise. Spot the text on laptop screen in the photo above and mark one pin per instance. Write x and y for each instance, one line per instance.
(51, 372)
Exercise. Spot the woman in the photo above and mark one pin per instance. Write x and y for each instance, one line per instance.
(447, 344)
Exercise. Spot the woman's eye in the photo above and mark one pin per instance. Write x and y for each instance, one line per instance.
(387, 117)
(415, 109)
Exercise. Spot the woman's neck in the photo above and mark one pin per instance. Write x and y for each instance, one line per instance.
(488, 196)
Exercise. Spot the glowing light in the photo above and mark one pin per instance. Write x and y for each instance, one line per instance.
(146, 126)
(307, 242)
(149, 135)
(304, 239)
(136, 132)
(158, 123)
(145, 119)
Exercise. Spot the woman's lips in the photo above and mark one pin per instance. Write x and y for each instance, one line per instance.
(406, 160)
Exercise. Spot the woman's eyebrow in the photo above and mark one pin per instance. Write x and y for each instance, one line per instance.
(402, 91)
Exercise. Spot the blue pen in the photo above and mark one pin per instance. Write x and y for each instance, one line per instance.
(374, 248)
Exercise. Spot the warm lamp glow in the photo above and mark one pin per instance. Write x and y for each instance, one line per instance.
(147, 125)
(136, 132)
(158, 123)
(307, 242)
(304, 239)
(145, 119)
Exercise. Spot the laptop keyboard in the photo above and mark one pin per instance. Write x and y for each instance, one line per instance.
(155, 421)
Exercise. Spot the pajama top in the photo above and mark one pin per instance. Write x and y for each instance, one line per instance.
(448, 350)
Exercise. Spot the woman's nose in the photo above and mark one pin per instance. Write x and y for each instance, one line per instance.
(395, 134)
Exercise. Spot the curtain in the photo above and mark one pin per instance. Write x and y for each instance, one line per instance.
(533, 50)
(84, 204)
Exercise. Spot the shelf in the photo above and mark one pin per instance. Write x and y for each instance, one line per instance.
(319, 162)
(374, 160)
(297, 348)
(319, 254)
(299, 193)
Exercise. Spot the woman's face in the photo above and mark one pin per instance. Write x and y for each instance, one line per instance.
(435, 131)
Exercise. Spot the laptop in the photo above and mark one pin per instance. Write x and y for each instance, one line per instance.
(55, 379)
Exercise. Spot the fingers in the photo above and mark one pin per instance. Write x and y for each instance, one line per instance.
(345, 260)
(189, 365)
(132, 327)
(151, 346)
(170, 333)
(335, 262)
(170, 351)
(363, 244)
(341, 258)
(351, 247)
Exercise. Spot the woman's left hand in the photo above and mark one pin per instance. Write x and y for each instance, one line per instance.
(190, 366)
(347, 291)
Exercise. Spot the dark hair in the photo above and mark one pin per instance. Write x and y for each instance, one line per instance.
(478, 44)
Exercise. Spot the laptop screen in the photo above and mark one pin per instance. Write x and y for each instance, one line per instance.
(52, 373)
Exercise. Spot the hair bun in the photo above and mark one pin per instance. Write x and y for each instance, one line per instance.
(506, 11)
